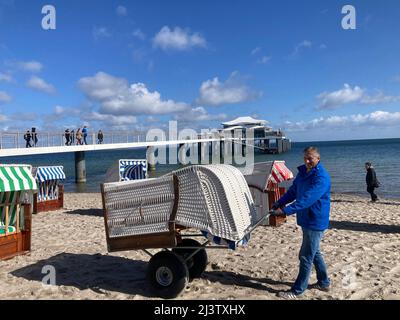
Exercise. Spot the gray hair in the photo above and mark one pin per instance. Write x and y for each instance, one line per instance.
(311, 149)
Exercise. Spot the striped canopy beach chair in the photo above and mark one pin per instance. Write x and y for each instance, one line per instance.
(17, 186)
(50, 194)
(48, 179)
(127, 170)
(264, 185)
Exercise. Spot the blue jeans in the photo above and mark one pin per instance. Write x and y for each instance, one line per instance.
(309, 255)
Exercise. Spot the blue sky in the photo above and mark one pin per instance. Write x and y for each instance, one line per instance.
(119, 65)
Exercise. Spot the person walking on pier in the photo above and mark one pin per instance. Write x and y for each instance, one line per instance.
(72, 141)
(100, 137)
(85, 133)
(34, 137)
(309, 198)
(67, 135)
(79, 137)
(27, 138)
(372, 181)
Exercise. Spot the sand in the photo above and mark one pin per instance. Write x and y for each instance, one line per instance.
(361, 249)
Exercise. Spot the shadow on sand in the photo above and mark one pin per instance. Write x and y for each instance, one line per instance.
(364, 227)
(88, 212)
(95, 272)
(230, 278)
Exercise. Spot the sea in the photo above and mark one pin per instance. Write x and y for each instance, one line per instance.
(344, 161)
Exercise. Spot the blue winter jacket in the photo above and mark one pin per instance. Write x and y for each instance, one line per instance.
(311, 195)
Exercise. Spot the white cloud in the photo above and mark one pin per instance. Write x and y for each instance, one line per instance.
(379, 98)
(117, 97)
(108, 119)
(215, 93)
(375, 119)
(39, 84)
(28, 66)
(323, 46)
(396, 78)
(331, 100)
(4, 97)
(121, 11)
(302, 45)
(139, 34)
(6, 78)
(346, 95)
(255, 51)
(199, 114)
(178, 39)
(101, 32)
(3, 118)
(264, 60)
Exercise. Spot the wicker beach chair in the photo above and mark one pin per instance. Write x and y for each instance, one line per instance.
(150, 214)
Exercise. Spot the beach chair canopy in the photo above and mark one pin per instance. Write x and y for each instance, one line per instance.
(265, 173)
(16, 178)
(127, 170)
(49, 173)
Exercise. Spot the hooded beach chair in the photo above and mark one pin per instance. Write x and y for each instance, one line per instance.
(50, 194)
(17, 187)
(152, 213)
(127, 170)
(264, 183)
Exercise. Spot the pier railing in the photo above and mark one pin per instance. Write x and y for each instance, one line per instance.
(15, 140)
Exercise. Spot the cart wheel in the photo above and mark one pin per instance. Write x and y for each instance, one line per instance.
(196, 264)
(168, 274)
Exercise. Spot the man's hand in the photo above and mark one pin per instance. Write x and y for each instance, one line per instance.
(275, 206)
(277, 212)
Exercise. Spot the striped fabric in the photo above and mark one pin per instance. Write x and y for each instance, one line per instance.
(50, 173)
(16, 178)
(12, 198)
(132, 169)
(280, 173)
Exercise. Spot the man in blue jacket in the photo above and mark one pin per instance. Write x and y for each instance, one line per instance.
(309, 198)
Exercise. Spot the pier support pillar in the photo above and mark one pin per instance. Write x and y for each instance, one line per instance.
(151, 159)
(80, 167)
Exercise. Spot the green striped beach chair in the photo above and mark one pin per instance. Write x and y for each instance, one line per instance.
(16, 188)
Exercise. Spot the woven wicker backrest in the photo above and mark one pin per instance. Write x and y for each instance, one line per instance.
(215, 198)
(138, 207)
(212, 198)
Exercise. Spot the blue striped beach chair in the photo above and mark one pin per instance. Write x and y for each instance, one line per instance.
(48, 179)
(127, 170)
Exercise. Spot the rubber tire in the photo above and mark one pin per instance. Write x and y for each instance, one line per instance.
(198, 263)
(178, 269)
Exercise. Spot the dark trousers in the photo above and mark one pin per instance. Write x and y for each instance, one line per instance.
(371, 190)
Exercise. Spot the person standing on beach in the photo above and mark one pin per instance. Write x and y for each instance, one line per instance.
(309, 198)
(372, 181)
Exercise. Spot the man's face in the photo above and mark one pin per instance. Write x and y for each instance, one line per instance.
(311, 159)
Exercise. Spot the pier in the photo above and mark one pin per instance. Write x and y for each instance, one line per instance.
(220, 144)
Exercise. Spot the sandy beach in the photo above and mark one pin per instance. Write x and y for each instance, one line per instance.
(361, 248)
